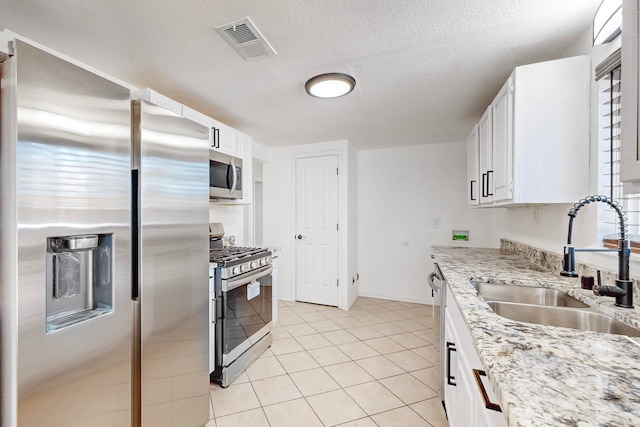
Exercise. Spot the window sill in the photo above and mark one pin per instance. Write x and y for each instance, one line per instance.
(613, 244)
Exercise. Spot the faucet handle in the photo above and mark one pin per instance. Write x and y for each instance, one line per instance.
(597, 284)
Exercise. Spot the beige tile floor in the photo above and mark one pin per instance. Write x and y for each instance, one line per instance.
(376, 364)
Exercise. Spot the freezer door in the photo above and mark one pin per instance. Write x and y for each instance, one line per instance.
(66, 338)
(173, 157)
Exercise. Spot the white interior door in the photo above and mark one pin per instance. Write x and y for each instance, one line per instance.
(317, 230)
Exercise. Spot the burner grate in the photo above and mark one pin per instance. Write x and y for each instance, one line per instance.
(232, 253)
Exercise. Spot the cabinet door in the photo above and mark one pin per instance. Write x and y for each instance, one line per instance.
(485, 140)
(473, 166)
(465, 414)
(450, 370)
(225, 138)
(503, 143)
(464, 402)
(630, 146)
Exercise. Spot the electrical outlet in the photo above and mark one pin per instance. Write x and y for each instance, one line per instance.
(535, 215)
(436, 223)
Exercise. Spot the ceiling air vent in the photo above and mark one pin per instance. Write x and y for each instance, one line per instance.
(244, 37)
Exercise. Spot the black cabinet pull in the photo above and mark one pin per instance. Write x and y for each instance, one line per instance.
(216, 137)
(472, 181)
(450, 378)
(484, 188)
(488, 186)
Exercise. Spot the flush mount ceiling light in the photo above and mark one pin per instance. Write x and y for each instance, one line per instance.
(330, 85)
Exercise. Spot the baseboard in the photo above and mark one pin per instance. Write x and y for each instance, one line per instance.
(396, 298)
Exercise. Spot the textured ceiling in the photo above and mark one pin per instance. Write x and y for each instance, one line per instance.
(425, 69)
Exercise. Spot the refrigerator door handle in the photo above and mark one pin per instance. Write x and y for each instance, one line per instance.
(213, 310)
(135, 244)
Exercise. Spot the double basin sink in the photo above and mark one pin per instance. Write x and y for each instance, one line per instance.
(548, 307)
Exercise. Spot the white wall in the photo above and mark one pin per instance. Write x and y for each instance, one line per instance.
(352, 226)
(233, 219)
(279, 220)
(401, 191)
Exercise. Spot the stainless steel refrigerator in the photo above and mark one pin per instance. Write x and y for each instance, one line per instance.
(103, 254)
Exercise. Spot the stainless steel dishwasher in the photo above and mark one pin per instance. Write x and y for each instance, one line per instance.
(438, 284)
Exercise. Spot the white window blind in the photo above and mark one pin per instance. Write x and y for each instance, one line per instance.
(608, 76)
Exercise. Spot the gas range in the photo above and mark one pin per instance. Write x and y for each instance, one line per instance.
(233, 261)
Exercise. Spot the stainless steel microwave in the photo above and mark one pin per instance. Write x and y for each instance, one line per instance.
(225, 176)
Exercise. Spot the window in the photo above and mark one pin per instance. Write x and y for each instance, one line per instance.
(608, 76)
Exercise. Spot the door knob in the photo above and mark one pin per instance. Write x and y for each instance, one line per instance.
(299, 237)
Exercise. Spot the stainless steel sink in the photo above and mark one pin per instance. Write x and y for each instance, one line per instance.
(526, 295)
(567, 317)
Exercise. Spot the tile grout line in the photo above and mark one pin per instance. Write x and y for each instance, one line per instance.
(428, 325)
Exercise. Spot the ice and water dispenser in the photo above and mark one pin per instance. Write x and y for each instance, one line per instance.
(79, 279)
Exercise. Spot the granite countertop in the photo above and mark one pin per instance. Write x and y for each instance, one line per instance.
(545, 375)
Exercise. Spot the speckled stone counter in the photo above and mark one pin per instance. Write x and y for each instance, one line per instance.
(545, 375)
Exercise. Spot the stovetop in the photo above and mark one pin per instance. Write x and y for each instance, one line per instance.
(227, 254)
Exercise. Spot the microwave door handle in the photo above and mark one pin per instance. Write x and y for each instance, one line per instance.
(235, 176)
(229, 176)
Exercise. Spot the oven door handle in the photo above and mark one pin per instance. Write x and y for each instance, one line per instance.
(228, 285)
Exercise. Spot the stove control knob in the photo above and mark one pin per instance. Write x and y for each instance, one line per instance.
(267, 261)
(243, 267)
(235, 270)
(253, 264)
(263, 261)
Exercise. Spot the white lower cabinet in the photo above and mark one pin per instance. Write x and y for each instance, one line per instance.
(469, 398)
(450, 372)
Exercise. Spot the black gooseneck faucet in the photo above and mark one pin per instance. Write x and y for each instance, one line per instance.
(623, 291)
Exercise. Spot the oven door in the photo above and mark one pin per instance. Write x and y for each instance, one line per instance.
(246, 312)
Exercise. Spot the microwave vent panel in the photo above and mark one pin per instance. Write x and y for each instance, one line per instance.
(245, 38)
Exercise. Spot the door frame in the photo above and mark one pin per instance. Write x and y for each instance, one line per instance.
(342, 221)
(252, 220)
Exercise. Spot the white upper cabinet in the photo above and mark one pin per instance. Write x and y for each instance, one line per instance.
(485, 138)
(630, 145)
(536, 147)
(503, 143)
(225, 138)
(473, 164)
